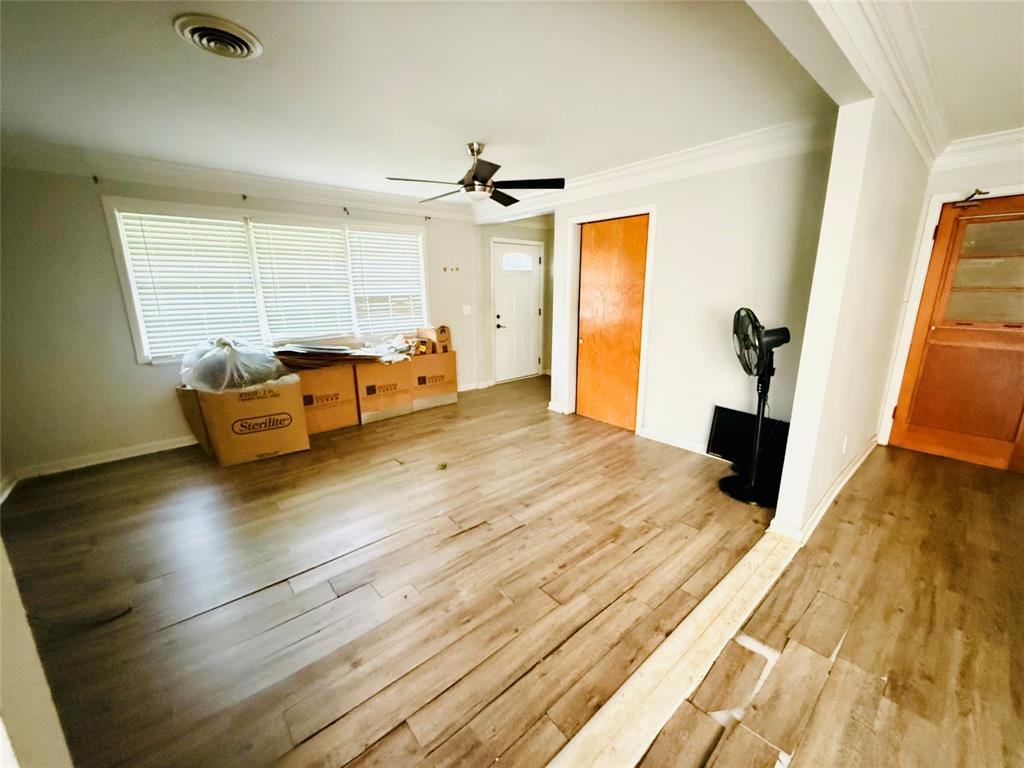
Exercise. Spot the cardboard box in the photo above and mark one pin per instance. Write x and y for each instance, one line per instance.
(441, 336)
(188, 399)
(329, 397)
(433, 381)
(256, 422)
(384, 390)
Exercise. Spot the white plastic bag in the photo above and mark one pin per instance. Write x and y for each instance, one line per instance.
(225, 363)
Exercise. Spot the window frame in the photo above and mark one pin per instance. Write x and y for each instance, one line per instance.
(112, 205)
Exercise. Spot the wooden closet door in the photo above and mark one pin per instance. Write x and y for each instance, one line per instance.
(963, 390)
(613, 259)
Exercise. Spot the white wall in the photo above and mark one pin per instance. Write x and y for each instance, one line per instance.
(871, 219)
(888, 218)
(26, 706)
(72, 391)
(744, 236)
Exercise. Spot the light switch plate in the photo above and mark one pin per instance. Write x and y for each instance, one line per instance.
(467, 309)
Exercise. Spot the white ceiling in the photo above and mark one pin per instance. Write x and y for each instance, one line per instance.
(976, 52)
(346, 93)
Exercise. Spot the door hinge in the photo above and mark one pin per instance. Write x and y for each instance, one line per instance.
(538, 310)
(935, 232)
(540, 259)
(894, 411)
(538, 361)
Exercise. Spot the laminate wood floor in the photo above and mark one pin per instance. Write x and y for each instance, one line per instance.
(895, 636)
(448, 588)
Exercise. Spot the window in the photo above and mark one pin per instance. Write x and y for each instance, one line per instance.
(304, 280)
(387, 279)
(192, 277)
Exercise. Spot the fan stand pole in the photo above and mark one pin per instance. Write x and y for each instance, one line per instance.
(764, 380)
(743, 487)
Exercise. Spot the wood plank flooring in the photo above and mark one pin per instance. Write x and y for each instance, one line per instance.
(448, 588)
(895, 636)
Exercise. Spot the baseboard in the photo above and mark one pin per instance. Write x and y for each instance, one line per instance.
(104, 457)
(803, 534)
(676, 442)
(7, 483)
(478, 385)
(558, 407)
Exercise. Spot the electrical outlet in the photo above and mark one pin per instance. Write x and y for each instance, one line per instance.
(845, 438)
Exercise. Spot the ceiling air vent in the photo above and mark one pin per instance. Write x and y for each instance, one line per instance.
(218, 36)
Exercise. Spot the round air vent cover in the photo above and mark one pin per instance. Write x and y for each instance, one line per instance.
(218, 36)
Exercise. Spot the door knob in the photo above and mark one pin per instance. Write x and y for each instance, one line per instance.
(499, 325)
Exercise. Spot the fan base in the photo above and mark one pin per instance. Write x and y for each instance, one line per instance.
(736, 487)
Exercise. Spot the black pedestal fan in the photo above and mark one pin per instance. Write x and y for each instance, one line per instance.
(755, 347)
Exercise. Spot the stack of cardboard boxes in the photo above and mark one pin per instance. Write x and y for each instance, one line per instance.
(277, 417)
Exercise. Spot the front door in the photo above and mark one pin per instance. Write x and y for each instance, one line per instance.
(516, 269)
(613, 259)
(963, 390)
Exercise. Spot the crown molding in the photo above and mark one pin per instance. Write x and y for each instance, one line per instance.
(793, 138)
(990, 148)
(883, 42)
(34, 155)
(542, 222)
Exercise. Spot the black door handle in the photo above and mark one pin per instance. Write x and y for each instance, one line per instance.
(499, 325)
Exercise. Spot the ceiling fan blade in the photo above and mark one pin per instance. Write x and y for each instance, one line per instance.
(483, 171)
(530, 184)
(438, 197)
(421, 181)
(500, 197)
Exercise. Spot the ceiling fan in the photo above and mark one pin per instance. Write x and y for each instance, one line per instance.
(480, 178)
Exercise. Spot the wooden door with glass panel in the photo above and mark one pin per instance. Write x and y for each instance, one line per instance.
(963, 390)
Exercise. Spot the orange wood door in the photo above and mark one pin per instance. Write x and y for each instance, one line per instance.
(963, 390)
(613, 258)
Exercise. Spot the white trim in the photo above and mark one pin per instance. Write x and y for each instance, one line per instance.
(912, 297)
(542, 222)
(624, 728)
(539, 279)
(675, 442)
(63, 159)
(558, 408)
(990, 148)
(803, 534)
(124, 275)
(793, 138)
(573, 226)
(478, 385)
(7, 483)
(104, 457)
(882, 42)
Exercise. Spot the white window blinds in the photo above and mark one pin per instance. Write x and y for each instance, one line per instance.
(387, 281)
(192, 278)
(304, 280)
